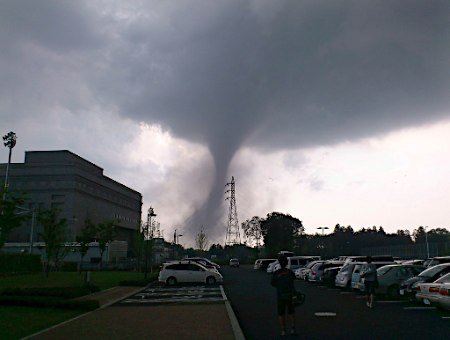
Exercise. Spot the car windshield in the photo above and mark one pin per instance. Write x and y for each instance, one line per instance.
(383, 270)
(431, 271)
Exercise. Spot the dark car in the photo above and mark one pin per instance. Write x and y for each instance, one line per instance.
(329, 275)
(408, 287)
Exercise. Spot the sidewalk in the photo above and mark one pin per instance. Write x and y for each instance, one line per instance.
(174, 321)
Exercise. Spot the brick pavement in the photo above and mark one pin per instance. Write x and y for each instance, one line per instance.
(174, 321)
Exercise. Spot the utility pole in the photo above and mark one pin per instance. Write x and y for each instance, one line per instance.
(233, 233)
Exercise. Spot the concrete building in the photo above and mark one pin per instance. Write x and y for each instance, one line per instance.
(78, 188)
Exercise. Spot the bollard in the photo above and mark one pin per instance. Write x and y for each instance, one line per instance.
(88, 278)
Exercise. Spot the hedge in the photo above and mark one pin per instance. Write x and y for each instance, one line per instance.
(45, 301)
(60, 292)
(19, 263)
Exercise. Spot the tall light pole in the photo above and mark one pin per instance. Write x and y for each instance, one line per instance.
(148, 236)
(9, 141)
(426, 241)
(323, 228)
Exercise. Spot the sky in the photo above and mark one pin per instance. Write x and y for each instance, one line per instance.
(331, 111)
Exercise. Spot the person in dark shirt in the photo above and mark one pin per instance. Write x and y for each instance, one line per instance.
(369, 273)
(283, 280)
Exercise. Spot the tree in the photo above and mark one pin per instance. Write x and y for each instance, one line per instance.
(201, 240)
(279, 231)
(87, 235)
(252, 229)
(105, 234)
(54, 234)
(138, 245)
(9, 217)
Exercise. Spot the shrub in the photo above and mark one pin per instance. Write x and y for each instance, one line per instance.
(60, 292)
(19, 263)
(45, 301)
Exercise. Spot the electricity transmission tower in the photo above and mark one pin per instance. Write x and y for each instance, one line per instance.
(233, 234)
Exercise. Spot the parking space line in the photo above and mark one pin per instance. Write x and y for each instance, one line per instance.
(346, 293)
(327, 314)
(419, 308)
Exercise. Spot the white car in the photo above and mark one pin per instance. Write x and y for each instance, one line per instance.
(271, 267)
(444, 296)
(234, 263)
(187, 271)
(429, 293)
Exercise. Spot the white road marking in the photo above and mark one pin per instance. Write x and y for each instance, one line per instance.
(419, 308)
(325, 314)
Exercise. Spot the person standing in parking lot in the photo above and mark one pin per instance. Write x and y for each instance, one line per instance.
(369, 273)
(283, 280)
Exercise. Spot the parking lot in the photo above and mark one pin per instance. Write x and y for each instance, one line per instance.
(329, 312)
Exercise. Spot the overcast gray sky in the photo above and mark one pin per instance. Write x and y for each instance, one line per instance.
(316, 107)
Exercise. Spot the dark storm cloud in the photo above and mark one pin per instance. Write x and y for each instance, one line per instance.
(268, 74)
(286, 75)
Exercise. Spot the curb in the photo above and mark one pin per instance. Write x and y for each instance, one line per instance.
(84, 314)
(238, 334)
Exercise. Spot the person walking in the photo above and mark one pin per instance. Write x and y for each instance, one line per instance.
(283, 280)
(369, 274)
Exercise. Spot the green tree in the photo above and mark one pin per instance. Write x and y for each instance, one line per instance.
(54, 234)
(87, 235)
(10, 218)
(106, 232)
(279, 231)
(138, 245)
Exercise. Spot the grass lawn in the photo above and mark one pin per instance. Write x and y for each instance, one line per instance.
(104, 280)
(17, 322)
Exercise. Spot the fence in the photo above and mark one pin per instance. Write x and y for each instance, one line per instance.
(418, 250)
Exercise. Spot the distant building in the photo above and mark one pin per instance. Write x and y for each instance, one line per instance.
(78, 188)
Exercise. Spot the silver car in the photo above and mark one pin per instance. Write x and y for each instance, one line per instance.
(391, 276)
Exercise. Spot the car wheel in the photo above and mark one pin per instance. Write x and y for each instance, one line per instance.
(210, 280)
(393, 292)
(171, 281)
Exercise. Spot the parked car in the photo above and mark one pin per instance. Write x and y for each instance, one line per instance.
(316, 272)
(355, 283)
(295, 262)
(407, 288)
(204, 262)
(234, 263)
(381, 259)
(329, 275)
(437, 260)
(263, 263)
(444, 296)
(302, 273)
(344, 276)
(391, 276)
(271, 267)
(175, 272)
(429, 293)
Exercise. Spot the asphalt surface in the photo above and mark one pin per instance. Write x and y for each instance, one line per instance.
(254, 302)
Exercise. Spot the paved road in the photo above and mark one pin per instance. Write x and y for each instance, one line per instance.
(254, 302)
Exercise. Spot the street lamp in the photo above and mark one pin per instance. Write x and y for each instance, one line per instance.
(148, 236)
(426, 241)
(323, 228)
(9, 141)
